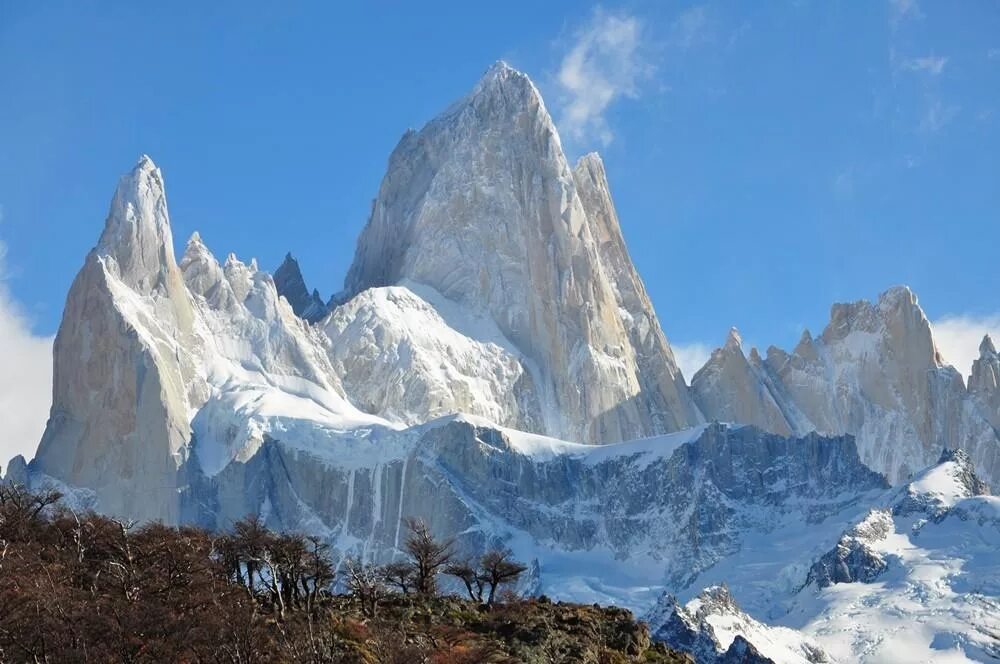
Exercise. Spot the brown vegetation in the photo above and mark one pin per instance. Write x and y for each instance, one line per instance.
(87, 588)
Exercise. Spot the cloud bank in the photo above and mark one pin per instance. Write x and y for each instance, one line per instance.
(25, 378)
(603, 64)
(958, 337)
(691, 357)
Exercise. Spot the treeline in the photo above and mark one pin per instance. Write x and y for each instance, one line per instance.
(88, 588)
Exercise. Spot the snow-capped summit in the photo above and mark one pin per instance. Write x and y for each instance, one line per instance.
(482, 206)
(123, 362)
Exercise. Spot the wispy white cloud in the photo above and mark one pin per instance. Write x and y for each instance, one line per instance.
(937, 115)
(958, 337)
(603, 63)
(930, 64)
(691, 357)
(25, 377)
(903, 9)
(691, 27)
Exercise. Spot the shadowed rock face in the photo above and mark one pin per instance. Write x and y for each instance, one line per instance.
(874, 373)
(854, 559)
(686, 509)
(289, 283)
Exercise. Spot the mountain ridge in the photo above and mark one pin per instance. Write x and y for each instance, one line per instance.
(494, 364)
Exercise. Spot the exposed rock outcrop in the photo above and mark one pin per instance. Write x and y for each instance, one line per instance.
(125, 362)
(482, 206)
(874, 373)
(714, 630)
(290, 285)
(855, 559)
(984, 382)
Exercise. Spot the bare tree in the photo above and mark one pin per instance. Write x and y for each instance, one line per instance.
(498, 567)
(365, 583)
(429, 555)
(495, 568)
(399, 574)
(470, 576)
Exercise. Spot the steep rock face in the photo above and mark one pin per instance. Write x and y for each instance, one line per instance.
(984, 382)
(661, 382)
(124, 364)
(290, 285)
(668, 507)
(481, 205)
(731, 389)
(151, 355)
(874, 373)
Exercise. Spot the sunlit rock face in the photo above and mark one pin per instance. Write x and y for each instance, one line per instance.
(482, 206)
(874, 373)
(124, 362)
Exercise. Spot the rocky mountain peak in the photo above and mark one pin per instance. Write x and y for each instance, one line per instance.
(136, 232)
(731, 388)
(734, 342)
(290, 285)
(592, 165)
(986, 347)
(482, 206)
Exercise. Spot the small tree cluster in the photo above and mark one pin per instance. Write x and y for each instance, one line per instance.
(427, 558)
(289, 571)
(484, 578)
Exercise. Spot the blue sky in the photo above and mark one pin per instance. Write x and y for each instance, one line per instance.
(767, 159)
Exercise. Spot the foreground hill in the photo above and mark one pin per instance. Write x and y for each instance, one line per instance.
(85, 588)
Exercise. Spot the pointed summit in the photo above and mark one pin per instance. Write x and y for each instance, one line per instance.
(986, 348)
(289, 283)
(984, 381)
(137, 230)
(501, 74)
(482, 206)
(733, 340)
(731, 388)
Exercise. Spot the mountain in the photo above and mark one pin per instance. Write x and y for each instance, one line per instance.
(151, 353)
(913, 576)
(482, 206)
(984, 382)
(873, 373)
(290, 285)
(494, 366)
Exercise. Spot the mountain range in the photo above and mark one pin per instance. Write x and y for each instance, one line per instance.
(493, 365)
